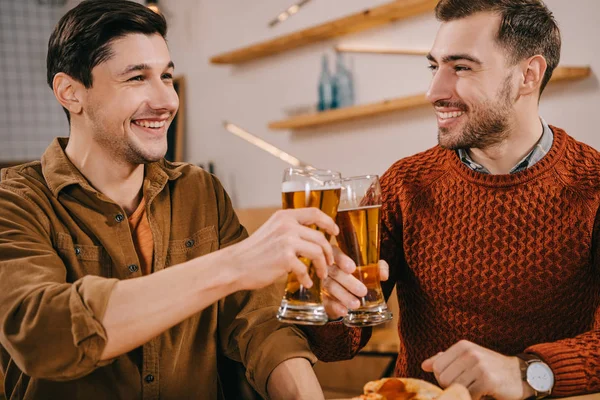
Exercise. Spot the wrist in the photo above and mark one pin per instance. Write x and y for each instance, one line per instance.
(218, 270)
(528, 392)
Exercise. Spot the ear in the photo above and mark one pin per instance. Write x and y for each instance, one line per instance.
(533, 69)
(67, 91)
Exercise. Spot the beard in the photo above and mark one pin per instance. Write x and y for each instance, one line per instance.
(125, 148)
(488, 123)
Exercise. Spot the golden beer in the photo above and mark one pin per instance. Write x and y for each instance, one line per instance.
(359, 240)
(327, 201)
(359, 220)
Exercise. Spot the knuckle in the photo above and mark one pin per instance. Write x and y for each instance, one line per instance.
(290, 256)
(333, 271)
(280, 214)
(464, 344)
(486, 377)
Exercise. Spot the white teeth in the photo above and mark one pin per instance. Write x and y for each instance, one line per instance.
(150, 124)
(446, 115)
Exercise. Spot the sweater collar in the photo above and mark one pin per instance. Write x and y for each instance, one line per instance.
(555, 153)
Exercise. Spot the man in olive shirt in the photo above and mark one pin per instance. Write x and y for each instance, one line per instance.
(79, 317)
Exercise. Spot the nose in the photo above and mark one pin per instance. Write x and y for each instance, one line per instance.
(441, 87)
(163, 96)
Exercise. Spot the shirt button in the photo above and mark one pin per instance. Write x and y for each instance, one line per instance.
(149, 378)
(119, 218)
(133, 268)
(189, 243)
(77, 251)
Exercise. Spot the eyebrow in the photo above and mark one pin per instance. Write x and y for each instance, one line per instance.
(455, 57)
(142, 67)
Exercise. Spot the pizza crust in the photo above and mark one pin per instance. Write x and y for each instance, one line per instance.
(424, 390)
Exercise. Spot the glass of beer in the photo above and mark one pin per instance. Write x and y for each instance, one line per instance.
(305, 187)
(359, 220)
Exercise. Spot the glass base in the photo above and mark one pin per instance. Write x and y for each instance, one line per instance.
(302, 314)
(367, 317)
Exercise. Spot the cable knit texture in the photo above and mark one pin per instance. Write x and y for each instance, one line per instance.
(509, 262)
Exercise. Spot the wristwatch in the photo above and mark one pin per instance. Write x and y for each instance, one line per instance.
(537, 374)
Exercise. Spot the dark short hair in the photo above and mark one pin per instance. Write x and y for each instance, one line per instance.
(82, 38)
(527, 27)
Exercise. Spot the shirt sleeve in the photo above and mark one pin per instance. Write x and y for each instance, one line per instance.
(249, 331)
(49, 327)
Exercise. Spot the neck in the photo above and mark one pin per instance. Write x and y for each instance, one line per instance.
(119, 180)
(525, 131)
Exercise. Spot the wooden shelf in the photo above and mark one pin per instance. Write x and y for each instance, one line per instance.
(398, 104)
(374, 50)
(366, 19)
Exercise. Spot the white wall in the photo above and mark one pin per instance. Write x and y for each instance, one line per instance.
(30, 117)
(255, 93)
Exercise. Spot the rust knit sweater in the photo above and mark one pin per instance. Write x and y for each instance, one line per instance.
(510, 262)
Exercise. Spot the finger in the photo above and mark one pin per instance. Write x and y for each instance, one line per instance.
(466, 379)
(345, 263)
(337, 291)
(314, 216)
(333, 308)
(427, 365)
(453, 353)
(314, 253)
(384, 270)
(299, 269)
(348, 281)
(318, 238)
(460, 371)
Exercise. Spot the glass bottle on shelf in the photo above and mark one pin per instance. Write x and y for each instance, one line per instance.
(326, 87)
(343, 82)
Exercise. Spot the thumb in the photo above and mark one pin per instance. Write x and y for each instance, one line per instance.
(427, 365)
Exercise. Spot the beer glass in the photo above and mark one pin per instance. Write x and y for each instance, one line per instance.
(359, 221)
(305, 187)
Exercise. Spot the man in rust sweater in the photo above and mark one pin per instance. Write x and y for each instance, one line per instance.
(123, 276)
(492, 237)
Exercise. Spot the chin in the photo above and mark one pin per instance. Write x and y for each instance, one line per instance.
(446, 139)
(147, 155)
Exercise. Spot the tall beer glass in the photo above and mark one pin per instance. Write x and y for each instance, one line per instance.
(303, 187)
(359, 221)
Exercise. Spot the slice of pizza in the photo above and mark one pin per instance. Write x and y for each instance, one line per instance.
(399, 389)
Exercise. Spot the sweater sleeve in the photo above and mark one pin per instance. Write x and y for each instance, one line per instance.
(576, 361)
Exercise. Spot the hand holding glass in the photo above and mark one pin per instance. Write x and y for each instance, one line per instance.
(307, 188)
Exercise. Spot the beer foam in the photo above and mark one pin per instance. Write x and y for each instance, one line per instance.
(354, 208)
(295, 186)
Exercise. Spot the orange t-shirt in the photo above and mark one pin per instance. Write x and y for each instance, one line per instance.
(142, 237)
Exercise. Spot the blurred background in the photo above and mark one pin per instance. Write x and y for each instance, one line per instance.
(267, 89)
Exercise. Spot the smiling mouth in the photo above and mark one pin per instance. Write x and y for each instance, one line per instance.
(449, 115)
(150, 124)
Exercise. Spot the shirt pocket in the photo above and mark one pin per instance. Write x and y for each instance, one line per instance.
(82, 259)
(200, 243)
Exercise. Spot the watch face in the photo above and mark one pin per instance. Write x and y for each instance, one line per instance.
(540, 377)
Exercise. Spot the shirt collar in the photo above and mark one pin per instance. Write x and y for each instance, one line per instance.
(59, 172)
(536, 154)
